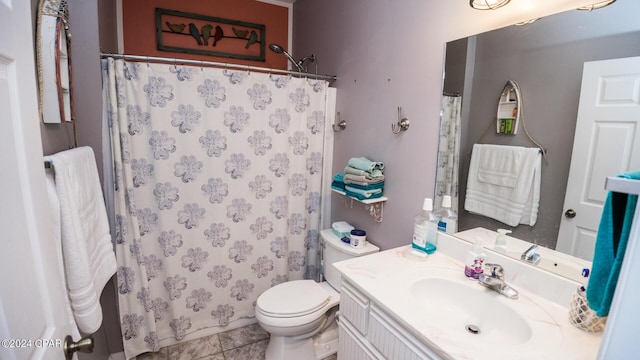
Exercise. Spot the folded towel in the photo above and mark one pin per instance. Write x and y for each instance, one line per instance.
(379, 185)
(87, 250)
(373, 167)
(362, 180)
(362, 194)
(339, 177)
(611, 244)
(353, 171)
(499, 165)
(510, 205)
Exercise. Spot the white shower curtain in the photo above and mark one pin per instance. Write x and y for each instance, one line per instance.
(449, 151)
(217, 193)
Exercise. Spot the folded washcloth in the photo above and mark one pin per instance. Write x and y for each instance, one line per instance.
(362, 194)
(365, 164)
(362, 180)
(611, 244)
(353, 171)
(339, 177)
(89, 259)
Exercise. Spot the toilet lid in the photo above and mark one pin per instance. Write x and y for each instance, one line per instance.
(293, 298)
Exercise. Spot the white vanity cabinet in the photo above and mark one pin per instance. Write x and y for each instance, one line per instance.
(368, 332)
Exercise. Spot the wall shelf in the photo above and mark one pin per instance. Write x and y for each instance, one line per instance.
(374, 206)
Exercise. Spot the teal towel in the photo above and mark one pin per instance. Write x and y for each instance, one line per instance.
(362, 194)
(611, 243)
(379, 185)
(362, 197)
(365, 164)
(339, 177)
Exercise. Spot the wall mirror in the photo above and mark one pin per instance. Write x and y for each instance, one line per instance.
(546, 58)
(54, 64)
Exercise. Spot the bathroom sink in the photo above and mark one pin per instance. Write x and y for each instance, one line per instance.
(465, 308)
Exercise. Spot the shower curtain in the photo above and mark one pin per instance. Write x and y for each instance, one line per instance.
(217, 193)
(449, 151)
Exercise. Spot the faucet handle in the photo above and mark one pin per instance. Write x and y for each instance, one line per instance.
(496, 270)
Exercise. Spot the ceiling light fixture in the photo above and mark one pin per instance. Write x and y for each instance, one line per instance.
(598, 5)
(488, 4)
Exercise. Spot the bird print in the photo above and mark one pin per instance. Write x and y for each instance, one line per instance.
(218, 35)
(206, 33)
(252, 39)
(240, 33)
(176, 28)
(194, 32)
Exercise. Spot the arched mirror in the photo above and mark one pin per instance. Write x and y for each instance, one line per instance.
(54, 65)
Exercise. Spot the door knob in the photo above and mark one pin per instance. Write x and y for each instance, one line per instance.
(84, 345)
(570, 213)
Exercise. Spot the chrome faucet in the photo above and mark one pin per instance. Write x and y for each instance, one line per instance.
(494, 280)
(530, 255)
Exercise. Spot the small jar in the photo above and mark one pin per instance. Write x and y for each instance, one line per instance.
(358, 239)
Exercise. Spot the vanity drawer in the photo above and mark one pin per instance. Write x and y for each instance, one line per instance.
(393, 342)
(354, 306)
(352, 346)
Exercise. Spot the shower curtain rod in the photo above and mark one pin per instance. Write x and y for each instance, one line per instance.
(330, 78)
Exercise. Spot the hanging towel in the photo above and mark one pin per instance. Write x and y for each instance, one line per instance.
(54, 205)
(373, 167)
(611, 244)
(499, 165)
(87, 250)
(510, 205)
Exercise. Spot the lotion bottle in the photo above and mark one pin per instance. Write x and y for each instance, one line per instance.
(501, 241)
(474, 261)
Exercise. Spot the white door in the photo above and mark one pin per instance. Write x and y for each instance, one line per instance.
(33, 316)
(606, 143)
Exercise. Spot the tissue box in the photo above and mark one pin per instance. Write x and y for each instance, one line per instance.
(342, 229)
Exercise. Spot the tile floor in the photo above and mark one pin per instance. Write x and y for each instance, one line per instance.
(246, 343)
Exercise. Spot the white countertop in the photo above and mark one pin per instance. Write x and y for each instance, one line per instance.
(386, 278)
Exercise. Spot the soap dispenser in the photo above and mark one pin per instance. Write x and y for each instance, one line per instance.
(501, 241)
(474, 261)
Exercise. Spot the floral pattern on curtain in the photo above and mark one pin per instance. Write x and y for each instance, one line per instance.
(217, 193)
(449, 151)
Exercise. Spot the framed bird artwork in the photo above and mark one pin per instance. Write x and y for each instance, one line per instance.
(184, 32)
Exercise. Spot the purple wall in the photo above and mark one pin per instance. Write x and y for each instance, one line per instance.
(388, 54)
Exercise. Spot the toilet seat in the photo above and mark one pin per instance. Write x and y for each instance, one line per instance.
(293, 299)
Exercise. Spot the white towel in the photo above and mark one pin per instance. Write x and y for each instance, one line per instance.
(87, 250)
(499, 165)
(508, 202)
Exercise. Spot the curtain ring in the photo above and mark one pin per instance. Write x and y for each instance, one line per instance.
(147, 61)
(202, 65)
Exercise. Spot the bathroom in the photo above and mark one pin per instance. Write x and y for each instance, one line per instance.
(395, 48)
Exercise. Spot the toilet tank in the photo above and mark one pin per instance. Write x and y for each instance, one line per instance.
(335, 250)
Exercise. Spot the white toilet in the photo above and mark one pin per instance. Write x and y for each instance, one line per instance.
(300, 314)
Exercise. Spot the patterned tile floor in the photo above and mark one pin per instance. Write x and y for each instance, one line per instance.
(246, 343)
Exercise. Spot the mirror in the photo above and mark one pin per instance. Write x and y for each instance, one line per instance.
(54, 66)
(546, 59)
